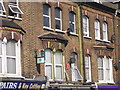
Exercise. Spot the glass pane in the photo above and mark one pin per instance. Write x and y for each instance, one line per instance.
(0, 65)
(86, 61)
(46, 9)
(0, 47)
(87, 73)
(71, 27)
(58, 72)
(49, 71)
(58, 57)
(57, 24)
(71, 17)
(77, 75)
(1, 7)
(57, 12)
(100, 74)
(11, 49)
(100, 62)
(15, 9)
(46, 21)
(48, 54)
(11, 65)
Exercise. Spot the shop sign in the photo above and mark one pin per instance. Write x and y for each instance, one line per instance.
(41, 56)
(21, 85)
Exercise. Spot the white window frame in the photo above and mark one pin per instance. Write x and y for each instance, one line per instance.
(58, 65)
(97, 29)
(4, 60)
(17, 6)
(48, 16)
(49, 64)
(74, 22)
(88, 67)
(105, 29)
(85, 26)
(105, 75)
(59, 19)
(2, 11)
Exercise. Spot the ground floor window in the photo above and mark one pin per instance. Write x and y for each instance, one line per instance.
(105, 73)
(54, 64)
(10, 64)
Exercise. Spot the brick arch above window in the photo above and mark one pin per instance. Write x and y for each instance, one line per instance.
(72, 9)
(49, 4)
(58, 6)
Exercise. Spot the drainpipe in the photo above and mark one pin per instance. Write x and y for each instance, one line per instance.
(80, 36)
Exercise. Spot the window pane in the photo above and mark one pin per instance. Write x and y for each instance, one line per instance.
(100, 74)
(48, 54)
(57, 24)
(11, 65)
(1, 7)
(57, 12)
(46, 10)
(87, 73)
(58, 57)
(11, 49)
(46, 21)
(0, 65)
(58, 72)
(0, 47)
(49, 71)
(71, 27)
(100, 68)
(77, 75)
(71, 16)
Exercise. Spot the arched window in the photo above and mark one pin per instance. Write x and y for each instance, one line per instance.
(97, 29)
(46, 16)
(88, 68)
(58, 64)
(75, 72)
(105, 34)
(58, 18)
(72, 22)
(48, 64)
(100, 69)
(85, 26)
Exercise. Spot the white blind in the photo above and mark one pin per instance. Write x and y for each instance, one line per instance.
(11, 48)
(11, 65)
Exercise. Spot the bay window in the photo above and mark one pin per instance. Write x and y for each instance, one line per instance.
(10, 64)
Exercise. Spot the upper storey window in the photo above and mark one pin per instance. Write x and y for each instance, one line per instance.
(97, 29)
(2, 8)
(14, 9)
(72, 22)
(46, 16)
(58, 19)
(105, 34)
(85, 26)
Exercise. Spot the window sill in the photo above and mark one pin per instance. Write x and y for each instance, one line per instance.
(60, 31)
(74, 34)
(87, 37)
(3, 15)
(17, 18)
(106, 41)
(48, 28)
(98, 40)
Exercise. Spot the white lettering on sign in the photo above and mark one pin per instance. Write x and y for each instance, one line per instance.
(7, 85)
